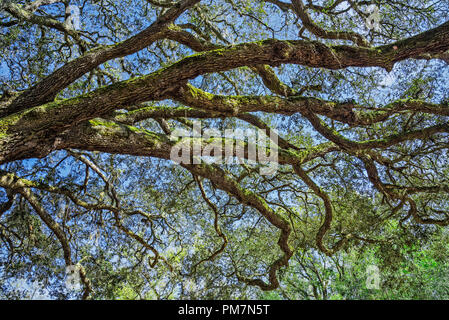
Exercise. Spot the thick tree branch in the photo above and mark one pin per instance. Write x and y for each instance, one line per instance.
(301, 11)
(270, 52)
(47, 89)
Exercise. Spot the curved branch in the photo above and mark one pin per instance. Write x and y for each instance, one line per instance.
(21, 186)
(47, 89)
(301, 11)
(326, 225)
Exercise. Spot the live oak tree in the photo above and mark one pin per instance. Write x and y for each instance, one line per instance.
(87, 110)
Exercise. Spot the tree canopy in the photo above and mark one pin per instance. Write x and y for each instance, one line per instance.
(93, 90)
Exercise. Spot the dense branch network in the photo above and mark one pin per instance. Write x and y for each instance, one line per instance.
(33, 123)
